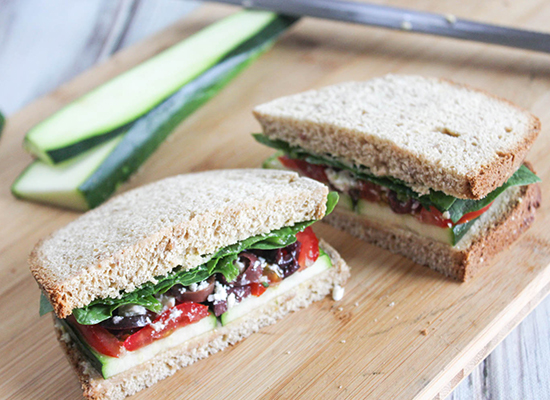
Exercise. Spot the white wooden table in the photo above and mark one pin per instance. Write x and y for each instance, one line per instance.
(45, 43)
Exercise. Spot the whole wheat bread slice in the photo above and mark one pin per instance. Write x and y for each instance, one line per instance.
(510, 215)
(171, 360)
(178, 221)
(430, 133)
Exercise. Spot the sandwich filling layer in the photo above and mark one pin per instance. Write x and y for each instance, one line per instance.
(110, 366)
(387, 200)
(118, 334)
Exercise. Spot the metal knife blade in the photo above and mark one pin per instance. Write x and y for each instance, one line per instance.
(403, 19)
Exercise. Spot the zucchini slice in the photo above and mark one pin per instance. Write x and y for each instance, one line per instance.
(86, 181)
(107, 110)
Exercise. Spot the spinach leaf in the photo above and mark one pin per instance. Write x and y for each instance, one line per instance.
(523, 176)
(45, 306)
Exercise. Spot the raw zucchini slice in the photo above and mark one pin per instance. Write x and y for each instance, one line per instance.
(96, 174)
(107, 110)
(61, 184)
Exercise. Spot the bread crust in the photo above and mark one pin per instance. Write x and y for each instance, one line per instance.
(171, 360)
(178, 221)
(459, 262)
(346, 137)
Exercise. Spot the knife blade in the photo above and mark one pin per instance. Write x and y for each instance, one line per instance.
(403, 19)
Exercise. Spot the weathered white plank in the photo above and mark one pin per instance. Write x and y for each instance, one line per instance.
(46, 43)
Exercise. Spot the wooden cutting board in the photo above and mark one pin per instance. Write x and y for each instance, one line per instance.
(401, 331)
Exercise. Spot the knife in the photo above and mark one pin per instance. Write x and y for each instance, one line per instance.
(403, 19)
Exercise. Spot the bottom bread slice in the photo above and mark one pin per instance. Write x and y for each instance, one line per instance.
(168, 362)
(510, 215)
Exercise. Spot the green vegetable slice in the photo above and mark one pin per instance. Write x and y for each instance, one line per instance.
(457, 208)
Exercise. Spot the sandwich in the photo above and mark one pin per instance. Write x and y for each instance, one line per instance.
(171, 272)
(424, 167)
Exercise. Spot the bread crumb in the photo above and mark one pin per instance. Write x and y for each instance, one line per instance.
(343, 341)
(424, 332)
(397, 317)
(520, 200)
(406, 25)
(337, 293)
(340, 308)
(451, 19)
(356, 304)
(391, 304)
(375, 320)
(340, 387)
(288, 352)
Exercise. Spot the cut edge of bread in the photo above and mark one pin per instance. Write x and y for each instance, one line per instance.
(168, 362)
(187, 244)
(420, 173)
(461, 262)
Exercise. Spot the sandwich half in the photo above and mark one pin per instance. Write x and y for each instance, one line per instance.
(169, 273)
(425, 167)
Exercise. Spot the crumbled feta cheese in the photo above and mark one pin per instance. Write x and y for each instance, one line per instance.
(337, 293)
(264, 279)
(167, 301)
(446, 215)
(195, 287)
(220, 293)
(117, 319)
(129, 310)
(231, 300)
(341, 180)
(182, 289)
(161, 324)
(158, 326)
(239, 264)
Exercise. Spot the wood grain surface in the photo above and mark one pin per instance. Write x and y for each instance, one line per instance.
(385, 354)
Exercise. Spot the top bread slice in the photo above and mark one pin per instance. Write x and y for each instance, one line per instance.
(430, 133)
(178, 221)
